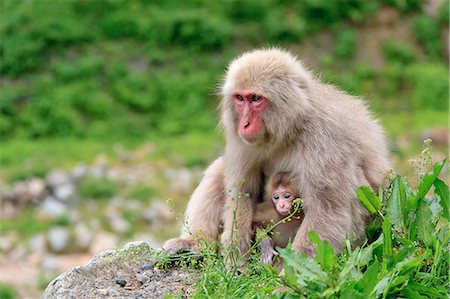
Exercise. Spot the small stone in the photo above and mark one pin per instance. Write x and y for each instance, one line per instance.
(176, 279)
(79, 172)
(102, 241)
(58, 239)
(142, 278)
(121, 282)
(56, 178)
(83, 236)
(117, 223)
(139, 296)
(113, 292)
(150, 288)
(65, 192)
(51, 207)
(37, 189)
(147, 267)
(37, 244)
(102, 292)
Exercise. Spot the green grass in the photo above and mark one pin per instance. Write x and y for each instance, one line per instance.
(28, 224)
(406, 254)
(7, 291)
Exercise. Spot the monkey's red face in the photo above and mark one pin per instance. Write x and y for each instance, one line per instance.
(250, 106)
(282, 199)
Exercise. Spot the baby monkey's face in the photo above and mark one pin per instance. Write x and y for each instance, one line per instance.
(283, 199)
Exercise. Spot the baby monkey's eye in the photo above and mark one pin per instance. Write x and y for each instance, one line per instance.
(287, 196)
(276, 197)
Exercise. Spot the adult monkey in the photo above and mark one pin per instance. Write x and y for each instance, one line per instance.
(278, 117)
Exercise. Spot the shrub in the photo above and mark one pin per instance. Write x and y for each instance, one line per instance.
(82, 68)
(50, 116)
(405, 5)
(398, 52)
(119, 25)
(429, 84)
(346, 43)
(97, 188)
(248, 10)
(427, 34)
(20, 54)
(7, 291)
(197, 30)
(284, 27)
(444, 12)
(323, 13)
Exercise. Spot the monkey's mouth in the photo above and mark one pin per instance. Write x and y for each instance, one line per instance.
(284, 212)
(251, 139)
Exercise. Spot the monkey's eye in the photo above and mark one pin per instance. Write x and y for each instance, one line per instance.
(287, 196)
(276, 197)
(239, 98)
(255, 98)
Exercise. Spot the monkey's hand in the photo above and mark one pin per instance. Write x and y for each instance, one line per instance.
(177, 245)
(267, 252)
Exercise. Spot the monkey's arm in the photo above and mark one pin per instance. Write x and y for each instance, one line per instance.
(204, 211)
(265, 212)
(267, 251)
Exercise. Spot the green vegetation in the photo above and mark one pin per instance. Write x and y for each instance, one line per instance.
(406, 254)
(73, 67)
(94, 188)
(29, 224)
(7, 291)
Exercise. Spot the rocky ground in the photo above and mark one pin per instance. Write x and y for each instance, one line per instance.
(70, 229)
(129, 272)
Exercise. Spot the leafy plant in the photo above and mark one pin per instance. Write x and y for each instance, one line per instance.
(409, 258)
(97, 188)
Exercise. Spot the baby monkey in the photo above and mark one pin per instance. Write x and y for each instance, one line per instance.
(278, 204)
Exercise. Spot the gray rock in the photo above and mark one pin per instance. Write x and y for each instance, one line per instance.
(51, 207)
(159, 211)
(58, 239)
(57, 177)
(7, 241)
(180, 179)
(117, 223)
(83, 236)
(79, 172)
(65, 192)
(37, 189)
(97, 278)
(438, 135)
(142, 278)
(103, 241)
(38, 244)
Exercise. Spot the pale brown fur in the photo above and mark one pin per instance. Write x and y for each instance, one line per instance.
(324, 136)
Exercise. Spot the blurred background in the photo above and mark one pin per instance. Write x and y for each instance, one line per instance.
(108, 108)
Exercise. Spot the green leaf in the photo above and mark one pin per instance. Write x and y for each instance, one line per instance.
(308, 271)
(351, 293)
(325, 253)
(386, 227)
(380, 287)
(426, 290)
(410, 294)
(425, 185)
(426, 216)
(368, 199)
(442, 190)
(369, 279)
(396, 204)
